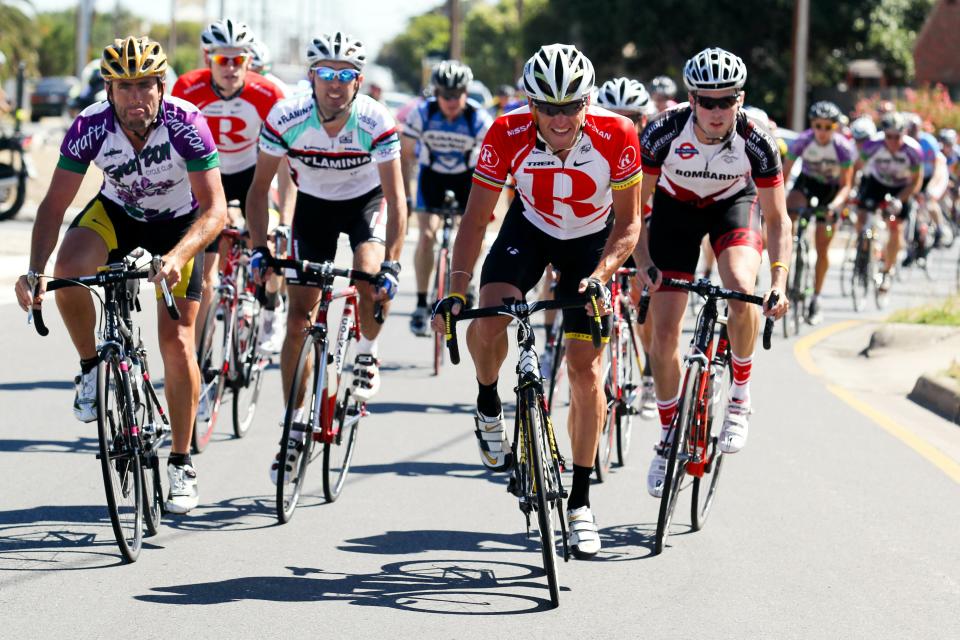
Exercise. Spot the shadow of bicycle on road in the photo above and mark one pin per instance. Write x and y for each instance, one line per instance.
(245, 513)
(80, 445)
(454, 587)
(427, 540)
(414, 469)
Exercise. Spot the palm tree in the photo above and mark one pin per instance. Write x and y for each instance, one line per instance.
(17, 34)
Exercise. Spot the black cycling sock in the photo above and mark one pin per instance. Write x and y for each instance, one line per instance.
(580, 491)
(89, 364)
(268, 301)
(180, 459)
(646, 365)
(488, 400)
(421, 298)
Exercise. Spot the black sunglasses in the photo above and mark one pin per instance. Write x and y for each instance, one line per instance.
(451, 94)
(569, 109)
(726, 102)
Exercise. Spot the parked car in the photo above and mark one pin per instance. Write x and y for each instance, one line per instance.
(92, 88)
(50, 96)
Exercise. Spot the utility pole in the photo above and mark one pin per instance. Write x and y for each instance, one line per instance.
(84, 10)
(798, 74)
(456, 44)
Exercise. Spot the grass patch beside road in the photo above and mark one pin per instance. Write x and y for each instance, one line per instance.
(946, 314)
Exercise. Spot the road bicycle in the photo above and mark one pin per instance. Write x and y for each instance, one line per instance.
(131, 422)
(692, 441)
(863, 254)
(331, 415)
(536, 463)
(441, 281)
(228, 350)
(622, 379)
(800, 284)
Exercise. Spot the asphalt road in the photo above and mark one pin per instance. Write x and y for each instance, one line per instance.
(825, 526)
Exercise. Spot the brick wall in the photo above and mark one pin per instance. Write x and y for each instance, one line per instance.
(936, 53)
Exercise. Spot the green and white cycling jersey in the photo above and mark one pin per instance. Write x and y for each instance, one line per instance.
(337, 167)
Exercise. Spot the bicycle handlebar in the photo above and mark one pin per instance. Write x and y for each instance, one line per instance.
(511, 308)
(326, 272)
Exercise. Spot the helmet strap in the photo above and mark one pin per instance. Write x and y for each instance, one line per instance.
(219, 92)
(715, 139)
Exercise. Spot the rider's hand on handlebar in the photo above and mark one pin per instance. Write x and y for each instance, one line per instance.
(281, 239)
(779, 309)
(168, 271)
(650, 276)
(259, 259)
(452, 304)
(29, 294)
(604, 300)
(387, 281)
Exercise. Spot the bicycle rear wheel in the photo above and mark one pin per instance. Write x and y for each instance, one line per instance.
(847, 265)
(632, 387)
(677, 460)
(248, 366)
(860, 276)
(212, 354)
(546, 487)
(440, 287)
(705, 489)
(152, 492)
(122, 474)
(557, 368)
(338, 455)
(290, 484)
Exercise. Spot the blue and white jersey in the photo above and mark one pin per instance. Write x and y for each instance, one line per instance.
(447, 146)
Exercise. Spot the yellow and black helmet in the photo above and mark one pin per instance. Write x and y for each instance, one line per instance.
(131, 58)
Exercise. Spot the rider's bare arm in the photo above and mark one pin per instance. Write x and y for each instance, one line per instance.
(50, 215)
(408, 158)
(466, 248)
(288, 193)
(623, 237)
(773, 203)
(258, 197)
(391, 181)
(846, 183)
(641, 254)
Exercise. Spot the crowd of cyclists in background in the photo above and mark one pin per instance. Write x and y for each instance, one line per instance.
(596, 172)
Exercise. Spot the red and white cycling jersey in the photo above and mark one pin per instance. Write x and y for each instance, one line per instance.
(700, 174)
(234, 123)
(565, 198)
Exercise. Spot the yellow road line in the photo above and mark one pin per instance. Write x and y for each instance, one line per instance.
(802, 347)
(912, 440)
(801, 351)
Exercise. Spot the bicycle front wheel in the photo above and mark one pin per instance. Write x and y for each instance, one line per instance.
(296, 444)
(152, 492)
(704, 488)
(632, 385)
(677, 460)
(546, 488)
(558, 366)
(248, 366)
(338, 454)
(443, 271)
(212, 355)
(122, 474)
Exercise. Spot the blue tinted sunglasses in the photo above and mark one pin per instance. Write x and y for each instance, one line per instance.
(329, 75)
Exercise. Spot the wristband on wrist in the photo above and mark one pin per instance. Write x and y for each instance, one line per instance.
(459, 296)
(779, 265)
(466, 273)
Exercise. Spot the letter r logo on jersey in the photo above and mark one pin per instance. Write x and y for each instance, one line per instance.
(549, 183)
(227, 130)
(489, 157)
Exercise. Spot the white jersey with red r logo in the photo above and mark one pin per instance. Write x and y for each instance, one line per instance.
(234, 123)
(567, 198)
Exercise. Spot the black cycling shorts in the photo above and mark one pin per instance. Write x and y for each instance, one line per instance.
(872, 192)
(235, 187)
(432, 185)
(318, 223)
(521, 253)
(823, 192)
(122, 234)
(677, 228)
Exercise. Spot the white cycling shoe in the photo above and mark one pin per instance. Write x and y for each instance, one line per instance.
(294, 450)
(366, 377)
(736, 424)
(85, 401)
(495, 453)
(183, 495)
(657, 473)
(583, 535)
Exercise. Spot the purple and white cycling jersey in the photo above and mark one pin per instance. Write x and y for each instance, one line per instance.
(897, 169)
(152, 184)
(823, 163)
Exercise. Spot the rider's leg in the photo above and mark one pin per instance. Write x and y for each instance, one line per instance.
(588, 405)
(487, 337)
(666, 312)
(894, 244)
(739, 266)
(822, 241)
(211, 275)
(181, 384)
(303, 301)
(82, 251)
(423, 259)
(367, 257)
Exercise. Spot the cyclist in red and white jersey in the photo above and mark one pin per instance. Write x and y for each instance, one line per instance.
(713, 171)
(235, 103)
(577, 169)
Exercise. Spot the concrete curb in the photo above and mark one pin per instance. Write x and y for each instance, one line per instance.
(939, 394)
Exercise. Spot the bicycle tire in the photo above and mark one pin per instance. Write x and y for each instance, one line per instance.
(212, 377)
(632, 390)
(338, 455)
(248, 367)
(152, 492)
(440, 287)
(557, 368)
(859, 285)
(702, 493)
(544, 506)
(800, 278)
(676, 463)
(287, 504)
(122, 474)
(846, 265)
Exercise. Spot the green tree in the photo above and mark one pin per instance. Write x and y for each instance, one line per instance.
(425, 34)
(17, 36)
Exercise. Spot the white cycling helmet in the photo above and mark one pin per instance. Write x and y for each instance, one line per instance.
(948, 136)
(260, 60)
(558, 73)
(624, 94)
(863, 128)
(714, 68)
(337, 47)
(663, 85)
(226, 33)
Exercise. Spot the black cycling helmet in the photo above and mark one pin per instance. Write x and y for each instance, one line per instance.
(824, 110)
(451, 74)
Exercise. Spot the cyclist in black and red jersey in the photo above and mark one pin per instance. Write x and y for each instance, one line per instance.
(714, 170)
(573, 164)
